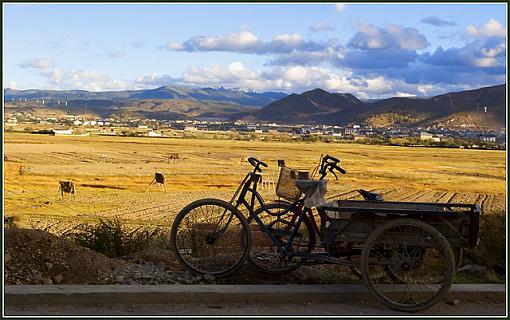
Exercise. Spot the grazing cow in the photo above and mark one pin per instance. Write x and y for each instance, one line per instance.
(67, 187)
(9, 222)
(159, 178)
(172, 157)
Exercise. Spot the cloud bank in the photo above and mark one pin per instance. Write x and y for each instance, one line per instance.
(376, 61)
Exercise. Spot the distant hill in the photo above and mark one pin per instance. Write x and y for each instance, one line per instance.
(240, 97)
(484, 107)
(480, 108)
(306, 107)
(163, 109)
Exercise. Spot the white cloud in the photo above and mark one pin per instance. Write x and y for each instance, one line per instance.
(294, 38)
(11, 85)
(320, 26)
(36, 64)
(496, 51)
(378, 84)
(62, 79)
(291, 79)
(404, 94)
(243, 41)
(480, 53)
(153, 80)
(297, 73)
(340, 7)
(89, 80)
(175, 46)
(492, 28)
(246, 42)
(371, 37)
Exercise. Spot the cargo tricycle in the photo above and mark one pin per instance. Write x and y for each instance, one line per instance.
(406, 253)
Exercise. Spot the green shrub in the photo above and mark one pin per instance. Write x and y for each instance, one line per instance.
(105, 237)
(491, 250)
(111, 238)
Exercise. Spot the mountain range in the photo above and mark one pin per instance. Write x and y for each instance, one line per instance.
(224, 95)
(482, 108)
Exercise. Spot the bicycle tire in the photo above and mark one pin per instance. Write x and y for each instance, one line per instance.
(418, 254)
(198, 244)
(265, 256)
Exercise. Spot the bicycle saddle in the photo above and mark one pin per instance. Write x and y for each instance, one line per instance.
(367, 195)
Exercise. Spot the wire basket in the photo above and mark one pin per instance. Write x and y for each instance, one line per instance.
(286, 186)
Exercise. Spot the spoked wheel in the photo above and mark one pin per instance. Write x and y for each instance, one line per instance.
(420, 259)
(210, 236)
(264, 253)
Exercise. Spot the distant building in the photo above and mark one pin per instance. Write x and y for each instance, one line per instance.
(426, 136)
(429, 136)
(358, 138)
(351, 131)
(63, 132)
(488, 138)
(155, 134)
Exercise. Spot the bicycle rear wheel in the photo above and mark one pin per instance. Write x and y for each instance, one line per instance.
(264, 253)
(210, 236)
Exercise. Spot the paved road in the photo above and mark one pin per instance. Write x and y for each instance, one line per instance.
(243, 309)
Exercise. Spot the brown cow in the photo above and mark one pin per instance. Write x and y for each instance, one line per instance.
(67, 187)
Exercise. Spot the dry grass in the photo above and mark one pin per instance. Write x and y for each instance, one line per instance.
(112, 174)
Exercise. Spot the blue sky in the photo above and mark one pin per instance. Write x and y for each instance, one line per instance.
(370, 50)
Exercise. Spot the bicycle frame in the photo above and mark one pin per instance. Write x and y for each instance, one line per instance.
(249, 185)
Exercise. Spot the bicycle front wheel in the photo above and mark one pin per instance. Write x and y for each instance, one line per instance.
(210, 236)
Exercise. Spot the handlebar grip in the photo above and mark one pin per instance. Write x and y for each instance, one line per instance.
(256, 163)
(340, 169)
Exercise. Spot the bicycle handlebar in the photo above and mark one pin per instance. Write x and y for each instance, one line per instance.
(257, 163)
(328, 157)
(329, 163)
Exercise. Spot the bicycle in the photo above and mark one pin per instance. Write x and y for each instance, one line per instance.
(286, 227)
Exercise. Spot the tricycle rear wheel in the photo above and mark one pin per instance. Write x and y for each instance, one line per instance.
(420, 258)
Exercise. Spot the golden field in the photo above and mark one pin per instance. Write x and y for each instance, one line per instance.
(112, 175)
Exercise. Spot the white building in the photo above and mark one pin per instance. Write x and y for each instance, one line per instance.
(63, 132)
(429, 136)
(155, 134)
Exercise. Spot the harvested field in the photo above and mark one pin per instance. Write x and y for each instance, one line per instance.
(112, 175)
